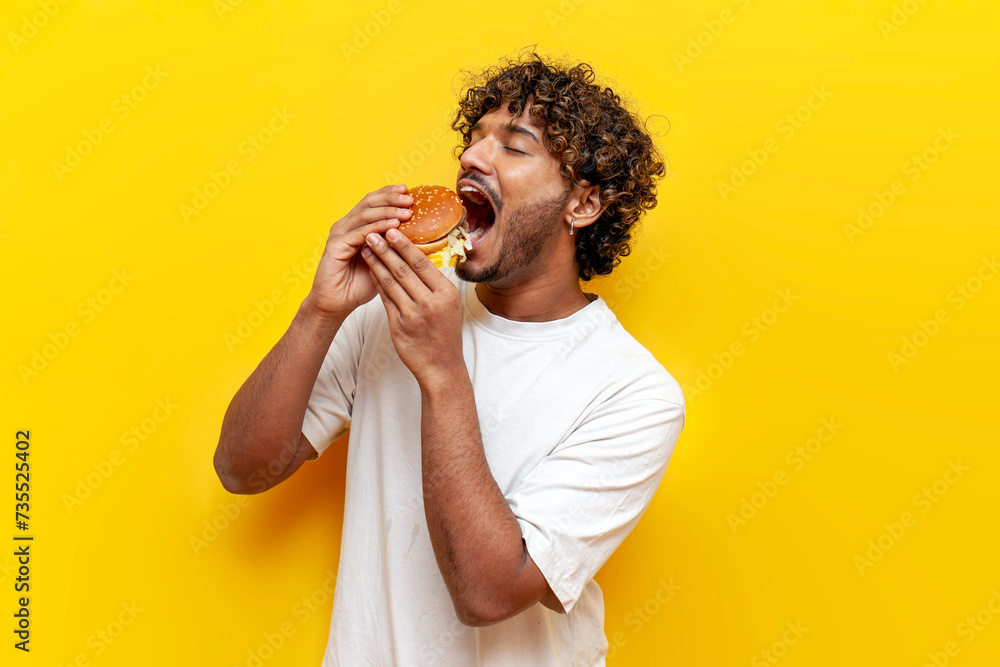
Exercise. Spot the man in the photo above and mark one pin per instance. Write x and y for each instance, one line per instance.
(506, 432)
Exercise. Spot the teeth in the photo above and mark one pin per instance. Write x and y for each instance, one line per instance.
(477, 197)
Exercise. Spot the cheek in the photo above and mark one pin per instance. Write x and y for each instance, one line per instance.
(525, 183)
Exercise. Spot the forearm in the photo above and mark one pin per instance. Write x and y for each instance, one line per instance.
(475, 535)
(262, 426)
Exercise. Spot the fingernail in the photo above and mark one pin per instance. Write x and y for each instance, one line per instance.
(373, 239)
(366, 252)
(392, 235)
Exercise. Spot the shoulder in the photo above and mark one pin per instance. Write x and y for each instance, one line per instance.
(633, 370)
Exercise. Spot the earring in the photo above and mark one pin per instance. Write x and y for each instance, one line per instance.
(571, 221)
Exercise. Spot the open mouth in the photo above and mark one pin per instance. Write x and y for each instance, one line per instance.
(479, 211)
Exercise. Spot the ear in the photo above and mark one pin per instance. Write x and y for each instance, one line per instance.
(584, 206)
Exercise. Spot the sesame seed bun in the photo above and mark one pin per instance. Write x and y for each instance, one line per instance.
(436, 211)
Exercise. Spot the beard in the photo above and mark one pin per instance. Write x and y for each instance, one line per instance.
(524, 235)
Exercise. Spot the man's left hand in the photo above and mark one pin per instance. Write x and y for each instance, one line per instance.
(424, 307)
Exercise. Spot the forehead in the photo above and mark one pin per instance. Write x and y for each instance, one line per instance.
(502, 121)
(504, 117)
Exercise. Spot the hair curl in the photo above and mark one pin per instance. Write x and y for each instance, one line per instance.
(598, 141)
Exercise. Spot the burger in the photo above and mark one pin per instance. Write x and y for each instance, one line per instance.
(438, 226)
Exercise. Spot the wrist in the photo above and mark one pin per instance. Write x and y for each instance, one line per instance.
(445, 380)
(320, 317)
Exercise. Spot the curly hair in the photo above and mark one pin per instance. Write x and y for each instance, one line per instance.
(598, 141)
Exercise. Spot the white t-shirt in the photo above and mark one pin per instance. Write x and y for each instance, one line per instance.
(578, 421)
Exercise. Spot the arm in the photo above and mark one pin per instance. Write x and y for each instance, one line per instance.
(476, 537)
(261, 442)
(261, 432)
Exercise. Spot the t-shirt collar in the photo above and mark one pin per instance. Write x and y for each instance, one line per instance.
(589, 316)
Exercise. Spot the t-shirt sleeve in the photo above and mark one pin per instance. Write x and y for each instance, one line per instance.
(328, 413)
(578, 504)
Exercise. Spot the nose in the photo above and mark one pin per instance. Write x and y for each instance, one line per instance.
(477, 157)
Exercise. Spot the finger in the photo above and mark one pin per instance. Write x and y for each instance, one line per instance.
(392, 187)
(390, 306)
(383, 277)
(422, 266)
(399, 268)
(384, 213)
(356, 237)
(394, 197)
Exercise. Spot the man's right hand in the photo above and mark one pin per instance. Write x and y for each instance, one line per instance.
(343, 281)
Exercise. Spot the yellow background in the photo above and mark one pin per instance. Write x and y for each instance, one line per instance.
(894, 75)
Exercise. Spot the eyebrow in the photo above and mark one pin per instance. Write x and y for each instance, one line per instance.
(509, 127)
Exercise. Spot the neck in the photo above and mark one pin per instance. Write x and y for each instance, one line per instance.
(537, 298)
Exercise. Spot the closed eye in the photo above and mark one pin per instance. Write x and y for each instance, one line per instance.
(514, 150)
